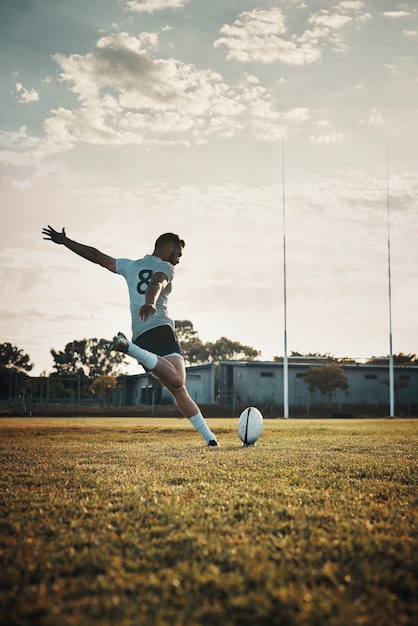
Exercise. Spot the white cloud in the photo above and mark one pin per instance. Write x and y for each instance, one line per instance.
(410, 33)
(129, 96)
(263, 36)
(374, 117)
(327, 138)
(258, 36)
(151, 6)
(10, 139)
(267, 125)
(328, 27)
(352, 5)
(19, 141)
(396, 14)
(26, 96)
(329, 20)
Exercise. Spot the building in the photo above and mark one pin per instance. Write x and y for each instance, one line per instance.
(258, 383)
(234, 385)
(245, 383)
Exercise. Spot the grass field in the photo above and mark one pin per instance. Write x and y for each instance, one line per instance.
(128, 522)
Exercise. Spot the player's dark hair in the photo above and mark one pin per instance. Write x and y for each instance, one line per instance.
(167, 238)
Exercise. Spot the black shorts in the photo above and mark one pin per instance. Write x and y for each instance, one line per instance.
(161, 340)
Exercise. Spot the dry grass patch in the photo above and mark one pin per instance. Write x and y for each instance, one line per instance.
(133, 521)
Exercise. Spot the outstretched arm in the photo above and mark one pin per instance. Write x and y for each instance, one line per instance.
(87, 252)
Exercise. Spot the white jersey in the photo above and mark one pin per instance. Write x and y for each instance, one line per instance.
(138, 275)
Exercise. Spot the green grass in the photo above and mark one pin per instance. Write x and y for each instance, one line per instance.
(126, 522)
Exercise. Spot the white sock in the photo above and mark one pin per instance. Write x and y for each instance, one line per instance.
(199, 423)
(148, 359)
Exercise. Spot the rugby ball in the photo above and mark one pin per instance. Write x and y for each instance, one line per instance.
(250, 426)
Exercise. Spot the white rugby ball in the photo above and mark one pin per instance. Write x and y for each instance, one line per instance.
(250, 425)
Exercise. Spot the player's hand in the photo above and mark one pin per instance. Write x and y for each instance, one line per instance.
(54, 235)
(146, 311)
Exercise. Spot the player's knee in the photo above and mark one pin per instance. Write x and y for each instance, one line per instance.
(177, 390)
(178, 382)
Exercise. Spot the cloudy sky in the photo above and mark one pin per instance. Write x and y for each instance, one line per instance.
(123, 119)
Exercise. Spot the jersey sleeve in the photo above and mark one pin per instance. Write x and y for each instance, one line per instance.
(123, 266)
(166, 268)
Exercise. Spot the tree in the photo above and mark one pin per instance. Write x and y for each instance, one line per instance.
(14, 366)
(12, 357)
(398, 359)
(103, 386)
(194, 350)
(87, 357)
(405, 359)
(314, 357)
(326, 378)
(226, 349)
(185, 331)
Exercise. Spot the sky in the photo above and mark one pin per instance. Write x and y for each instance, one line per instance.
(241, 126)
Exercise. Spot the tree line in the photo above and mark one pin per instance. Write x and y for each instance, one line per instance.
(88, 359)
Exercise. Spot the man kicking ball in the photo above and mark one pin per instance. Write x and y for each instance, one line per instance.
(155, 345)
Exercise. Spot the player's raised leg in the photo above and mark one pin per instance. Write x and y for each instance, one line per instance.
(170, 371)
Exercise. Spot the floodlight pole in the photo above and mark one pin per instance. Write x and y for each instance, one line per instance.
(391, 369)
(285, 358)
